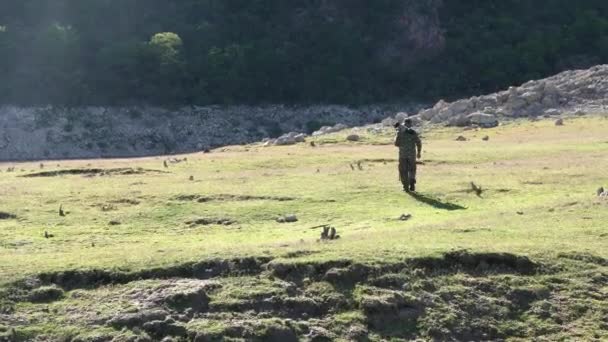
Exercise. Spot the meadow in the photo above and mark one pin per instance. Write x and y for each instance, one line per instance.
(128, 216)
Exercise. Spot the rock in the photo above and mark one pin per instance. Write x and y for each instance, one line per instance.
(461, 138)
(440, 105)
(552, 112)
(353, 137)
(330, 129)
(600, 191)
(515, 104)
(287, 219)
(486, 138)
(502, 97)
(291, 138)
(483, 120)
(427, 114)
(389, 122)
(416, 120)
(580, 112)
(405, 217)
(559, 122)
(532, 97)
(460, 106)
(401, 116)
(459, 121)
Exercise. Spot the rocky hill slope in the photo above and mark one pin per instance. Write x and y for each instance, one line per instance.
(577, 91)
(93, 132)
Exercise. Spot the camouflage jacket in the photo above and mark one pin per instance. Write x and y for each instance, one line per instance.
(408, 142)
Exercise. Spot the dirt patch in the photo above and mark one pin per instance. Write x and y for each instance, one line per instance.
(472, 230)
(86, 279)
(93, 172)
(231, 198)
(346, 273)
(503, 191)
(298, 254)
(465, 261)
(585, 257)
(127, 201)
(7, 216)
(533, 183)
(211, 221)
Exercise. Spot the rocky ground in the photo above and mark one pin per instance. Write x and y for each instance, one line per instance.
(458, 296)
(92, 132)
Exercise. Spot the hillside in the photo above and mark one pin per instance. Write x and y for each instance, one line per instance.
(194, 252)
(99, 52)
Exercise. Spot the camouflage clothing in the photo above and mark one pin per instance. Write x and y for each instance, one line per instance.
(410, 146)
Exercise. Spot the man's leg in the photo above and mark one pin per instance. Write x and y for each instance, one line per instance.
(403, 174)
(411, 173)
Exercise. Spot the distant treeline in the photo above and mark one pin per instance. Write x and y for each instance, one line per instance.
(76, 52)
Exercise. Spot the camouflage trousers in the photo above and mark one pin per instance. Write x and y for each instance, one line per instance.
(407, 171)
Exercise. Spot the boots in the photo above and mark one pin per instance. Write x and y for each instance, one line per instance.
(413, 185)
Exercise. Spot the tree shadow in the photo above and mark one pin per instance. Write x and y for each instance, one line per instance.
(435, 202)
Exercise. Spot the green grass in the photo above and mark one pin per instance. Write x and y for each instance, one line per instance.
(549, 173)
(539, 201)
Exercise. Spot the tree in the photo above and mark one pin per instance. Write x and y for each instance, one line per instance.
(167, 45)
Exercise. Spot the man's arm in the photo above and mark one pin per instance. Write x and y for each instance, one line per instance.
(419, 146)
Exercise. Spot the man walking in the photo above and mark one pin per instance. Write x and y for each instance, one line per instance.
(410, 148)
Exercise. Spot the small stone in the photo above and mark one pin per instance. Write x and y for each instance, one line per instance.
(353, 137)
(486, 138)
(461, 138)
(288, 219)
(115, 223)
(600, 191)
(559, 122)
(405, 217)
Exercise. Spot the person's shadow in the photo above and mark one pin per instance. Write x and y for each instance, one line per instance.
(436, 203)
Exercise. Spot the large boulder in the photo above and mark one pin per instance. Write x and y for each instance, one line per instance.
(428, 114)
(389, 122)
(400, 117)
(532, 96)
(482, 120)
(515, 104)
(291, 138)
(353, 137)
(330, 129)
(459, 121)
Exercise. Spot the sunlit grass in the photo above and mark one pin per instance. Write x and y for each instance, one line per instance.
(539, 199)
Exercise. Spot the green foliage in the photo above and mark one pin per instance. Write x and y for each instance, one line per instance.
(207, 51)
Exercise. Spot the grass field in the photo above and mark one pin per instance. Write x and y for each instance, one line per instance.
(127, 216)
